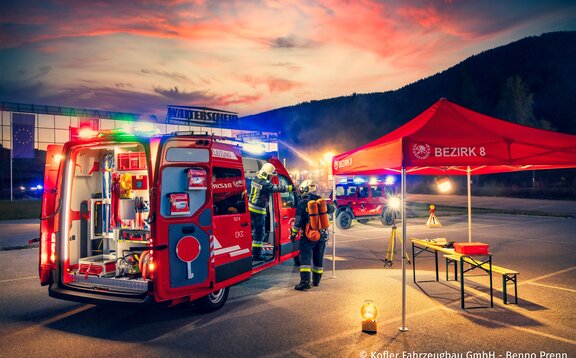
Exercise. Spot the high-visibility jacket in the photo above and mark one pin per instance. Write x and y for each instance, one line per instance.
(260, 190)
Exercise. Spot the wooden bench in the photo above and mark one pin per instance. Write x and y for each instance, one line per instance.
(507, 274)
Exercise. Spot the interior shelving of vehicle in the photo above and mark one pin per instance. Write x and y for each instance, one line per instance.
(108, 211)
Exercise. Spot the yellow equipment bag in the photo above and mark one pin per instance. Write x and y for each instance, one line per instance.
(126, 186)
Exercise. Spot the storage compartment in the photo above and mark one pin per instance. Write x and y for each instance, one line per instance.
(99, 265)
(471, 248)
(132, 161)
(108, 212)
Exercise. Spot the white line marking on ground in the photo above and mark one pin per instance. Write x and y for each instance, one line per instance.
(554, 287)
(63, 315)
(548, 275)
(507, 325)
(19, 279)
(337, 258)
(30, 331)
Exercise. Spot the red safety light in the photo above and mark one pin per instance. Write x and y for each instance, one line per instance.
(85, 133)
(47, 256)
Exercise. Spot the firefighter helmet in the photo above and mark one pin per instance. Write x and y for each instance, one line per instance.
(308, 186)
(267, 170)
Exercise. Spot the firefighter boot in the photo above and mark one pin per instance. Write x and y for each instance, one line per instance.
(316, 277)
(304, 282)
(257, 254)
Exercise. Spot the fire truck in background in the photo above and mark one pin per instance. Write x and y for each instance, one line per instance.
(134, 218)
(364, 201)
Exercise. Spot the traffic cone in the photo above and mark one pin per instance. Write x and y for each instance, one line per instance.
(433, 219)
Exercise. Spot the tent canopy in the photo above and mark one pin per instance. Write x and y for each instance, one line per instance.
(446, 139)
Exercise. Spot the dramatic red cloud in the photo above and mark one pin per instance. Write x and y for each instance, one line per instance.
(274, 85)
(251, 55)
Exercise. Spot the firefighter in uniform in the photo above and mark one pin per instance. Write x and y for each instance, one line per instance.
(311, 252)
(260, 190)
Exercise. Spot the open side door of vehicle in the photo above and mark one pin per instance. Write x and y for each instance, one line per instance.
(48, 212)
(286, 204)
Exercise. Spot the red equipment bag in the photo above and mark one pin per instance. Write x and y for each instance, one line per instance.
(471, 248)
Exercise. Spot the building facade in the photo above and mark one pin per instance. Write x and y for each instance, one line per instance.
(34, 127)
(57, 125)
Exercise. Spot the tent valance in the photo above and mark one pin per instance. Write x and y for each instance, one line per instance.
(447, 139)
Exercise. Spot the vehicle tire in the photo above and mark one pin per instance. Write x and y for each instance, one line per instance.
(344, 220)
(363, 221)
(213, 301)
(388, 219)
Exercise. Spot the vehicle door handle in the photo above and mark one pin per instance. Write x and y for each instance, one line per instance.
(244, 224)
(285, 217)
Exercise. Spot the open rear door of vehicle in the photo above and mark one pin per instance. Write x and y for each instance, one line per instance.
(49, 211)
(183, 222)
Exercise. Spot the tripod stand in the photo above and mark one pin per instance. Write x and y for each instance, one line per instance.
(389, 260)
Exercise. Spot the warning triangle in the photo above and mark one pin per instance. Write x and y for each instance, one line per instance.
(433, 221)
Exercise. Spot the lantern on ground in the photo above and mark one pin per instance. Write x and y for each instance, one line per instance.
(369, 313)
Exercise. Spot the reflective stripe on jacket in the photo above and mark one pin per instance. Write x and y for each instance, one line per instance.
(260, 190)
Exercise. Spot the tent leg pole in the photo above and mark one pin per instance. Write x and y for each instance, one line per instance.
(469, 205)
(403, 327)
(333, 229)
(11, 159)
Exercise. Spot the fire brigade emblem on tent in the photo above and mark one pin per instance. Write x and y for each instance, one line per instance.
(447, 139)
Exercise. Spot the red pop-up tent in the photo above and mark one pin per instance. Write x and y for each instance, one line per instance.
(447, 139)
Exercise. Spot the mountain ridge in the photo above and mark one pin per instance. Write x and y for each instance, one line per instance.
(542, 65)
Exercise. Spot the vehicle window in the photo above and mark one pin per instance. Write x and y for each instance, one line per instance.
(362, 192)
(340, 190)
(175, 194)
(288, 199)
(376, 191)
(228, 191)
(351, 191)
(176, 154)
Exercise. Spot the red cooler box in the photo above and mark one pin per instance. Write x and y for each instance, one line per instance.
(471, 248)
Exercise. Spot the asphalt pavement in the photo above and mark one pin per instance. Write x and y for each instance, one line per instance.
(266, 317)
(546, 207)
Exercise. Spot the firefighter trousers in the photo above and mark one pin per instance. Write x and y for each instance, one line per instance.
(311, 258)
(258, 232)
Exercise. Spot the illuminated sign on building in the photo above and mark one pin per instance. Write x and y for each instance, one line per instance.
(199, 115)
(258, 137)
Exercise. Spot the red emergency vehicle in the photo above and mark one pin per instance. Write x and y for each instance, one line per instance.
(131, 218)
(357, 199)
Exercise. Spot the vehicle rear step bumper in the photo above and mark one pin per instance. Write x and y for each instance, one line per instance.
(97, 297)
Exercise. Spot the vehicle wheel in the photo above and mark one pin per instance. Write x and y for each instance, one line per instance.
(213, 301)
(344, 220)
(363, 221)
(388, 219)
